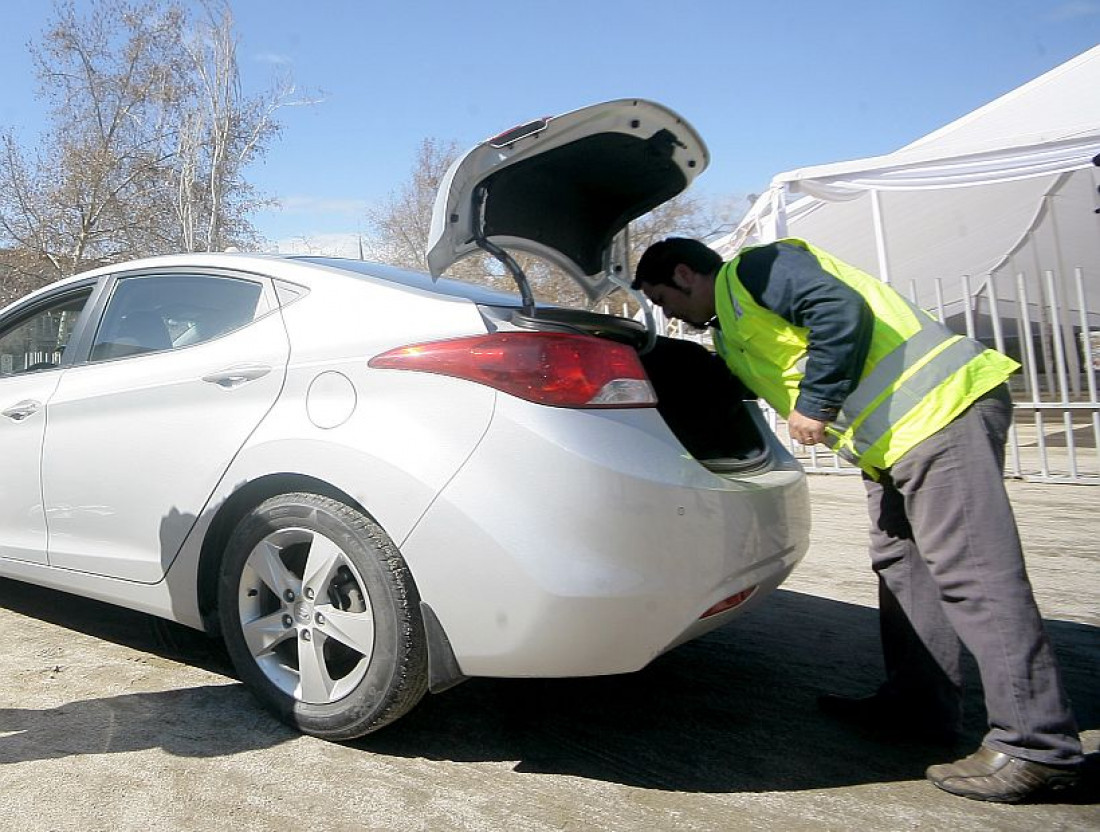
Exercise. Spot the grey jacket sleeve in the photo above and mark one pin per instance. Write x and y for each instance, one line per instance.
(789, 281)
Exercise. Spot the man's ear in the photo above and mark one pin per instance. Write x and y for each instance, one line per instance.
(683, 277)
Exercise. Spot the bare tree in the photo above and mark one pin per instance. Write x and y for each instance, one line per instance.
(688, 215)
(20, 275)
(400, 227)
(221, 130)
(150, 134)
(90, 193)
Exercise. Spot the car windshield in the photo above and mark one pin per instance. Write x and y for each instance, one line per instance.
(419, 280)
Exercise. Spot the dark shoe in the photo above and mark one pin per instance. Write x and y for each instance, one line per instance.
(999, 778)
(888, 716)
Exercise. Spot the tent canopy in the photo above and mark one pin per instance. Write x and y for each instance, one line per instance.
(1008, 189)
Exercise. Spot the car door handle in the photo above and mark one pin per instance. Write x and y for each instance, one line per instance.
(21, 410)
(232, 377)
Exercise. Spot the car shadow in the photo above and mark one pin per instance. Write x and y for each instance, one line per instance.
(731, 712)
(734, 711)
(116, 624)
(200, 722)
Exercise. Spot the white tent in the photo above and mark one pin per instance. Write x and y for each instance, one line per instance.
(1008, 190)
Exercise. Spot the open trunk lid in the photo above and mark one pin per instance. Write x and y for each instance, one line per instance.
(563, 187)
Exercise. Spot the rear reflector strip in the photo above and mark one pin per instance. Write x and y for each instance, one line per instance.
(729, 603)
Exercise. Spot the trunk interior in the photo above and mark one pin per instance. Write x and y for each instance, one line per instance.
(704, 405)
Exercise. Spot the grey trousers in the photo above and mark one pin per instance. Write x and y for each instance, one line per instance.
(947, 553)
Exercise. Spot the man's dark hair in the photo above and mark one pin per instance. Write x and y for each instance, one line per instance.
(661, 259)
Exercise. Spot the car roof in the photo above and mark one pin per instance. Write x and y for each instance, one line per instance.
(289, 267)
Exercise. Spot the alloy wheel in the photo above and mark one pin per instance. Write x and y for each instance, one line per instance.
(305, 615)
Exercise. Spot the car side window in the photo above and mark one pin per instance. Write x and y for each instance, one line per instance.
(150, 313)
(37, 340)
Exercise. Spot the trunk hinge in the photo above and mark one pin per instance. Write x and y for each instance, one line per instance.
(506, 259)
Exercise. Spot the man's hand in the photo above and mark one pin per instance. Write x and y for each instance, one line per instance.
(804, 429)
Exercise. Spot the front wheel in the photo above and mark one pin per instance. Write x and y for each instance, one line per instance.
(321, 616)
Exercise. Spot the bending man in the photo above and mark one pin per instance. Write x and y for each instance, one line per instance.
(924, 413)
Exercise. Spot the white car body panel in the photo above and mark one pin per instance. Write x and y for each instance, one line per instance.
(664, 535)
(362, 458)
(407, 445)
(390, 460)
(22, 517)
(120, 502)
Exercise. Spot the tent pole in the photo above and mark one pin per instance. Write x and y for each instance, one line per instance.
(995, 314)
(779, 214)
(1065, 318)
(1086, 351)
(1033, 374)
(1060, 352)
(999, 343)
(1025, 344)
(880, 238)
(939, 301)
(968, 308)
(1045, 343)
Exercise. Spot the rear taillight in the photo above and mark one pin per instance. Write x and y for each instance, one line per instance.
(550, 368)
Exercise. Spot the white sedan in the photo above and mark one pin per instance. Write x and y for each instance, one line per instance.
(372, 483)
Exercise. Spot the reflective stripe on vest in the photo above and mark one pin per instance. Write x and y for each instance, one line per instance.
(880, 415)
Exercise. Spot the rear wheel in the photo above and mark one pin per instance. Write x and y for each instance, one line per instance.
(321, 616)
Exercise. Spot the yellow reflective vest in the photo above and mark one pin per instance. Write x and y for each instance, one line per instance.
(919, 375)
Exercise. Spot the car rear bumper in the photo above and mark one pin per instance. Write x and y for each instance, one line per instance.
(602, 540)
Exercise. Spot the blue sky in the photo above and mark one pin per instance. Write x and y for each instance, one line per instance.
(770, 85)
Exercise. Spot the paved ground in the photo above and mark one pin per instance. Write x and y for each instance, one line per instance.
(110, 722)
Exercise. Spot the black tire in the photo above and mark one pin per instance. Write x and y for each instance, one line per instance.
(354, 624)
